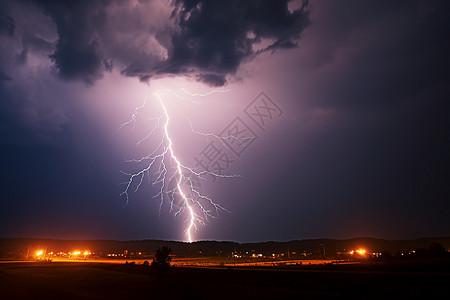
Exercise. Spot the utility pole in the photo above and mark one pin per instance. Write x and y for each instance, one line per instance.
(28, 252)
(323, 251)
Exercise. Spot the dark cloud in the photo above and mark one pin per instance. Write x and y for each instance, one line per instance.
(212, 79)
(207, 39)
(6, 22)
(30, 111)
(216, 37)
(4, 77)
(37, 44)
(78, 53)
(389, 52)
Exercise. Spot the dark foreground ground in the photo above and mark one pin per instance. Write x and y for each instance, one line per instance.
(107, 281)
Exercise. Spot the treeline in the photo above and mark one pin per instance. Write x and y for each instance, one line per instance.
(434, 250)
(17, 247)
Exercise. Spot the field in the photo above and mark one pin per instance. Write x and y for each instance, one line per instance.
(59, 280)
(213, 261)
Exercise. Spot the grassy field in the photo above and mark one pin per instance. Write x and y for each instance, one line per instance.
(58, 280)
(212, 261)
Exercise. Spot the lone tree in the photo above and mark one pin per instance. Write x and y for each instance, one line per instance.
(162, 256)
(161, 261)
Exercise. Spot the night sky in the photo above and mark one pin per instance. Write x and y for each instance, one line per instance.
(358, 143)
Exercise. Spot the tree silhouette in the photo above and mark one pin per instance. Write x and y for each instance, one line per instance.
(436, 250)
(162, 256)
(161, 261)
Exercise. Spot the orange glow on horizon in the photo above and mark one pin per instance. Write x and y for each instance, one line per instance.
(361, 251)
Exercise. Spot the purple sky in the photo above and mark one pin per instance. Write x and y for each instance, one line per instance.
(361, 147)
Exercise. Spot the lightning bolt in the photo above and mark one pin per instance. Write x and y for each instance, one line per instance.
(196, 204)
(205, 94)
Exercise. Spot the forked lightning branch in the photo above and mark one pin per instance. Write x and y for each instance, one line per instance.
(162, 167)
(180, 184)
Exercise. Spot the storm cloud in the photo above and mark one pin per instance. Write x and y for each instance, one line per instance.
(207, 40)
(6, 22)
(49, 43)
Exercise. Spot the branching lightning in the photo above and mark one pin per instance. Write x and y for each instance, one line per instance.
(205, 94)
(198, 206)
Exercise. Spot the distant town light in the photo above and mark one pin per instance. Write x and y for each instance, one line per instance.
(361, 251)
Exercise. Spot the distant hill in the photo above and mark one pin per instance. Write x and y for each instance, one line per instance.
(18, 247)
